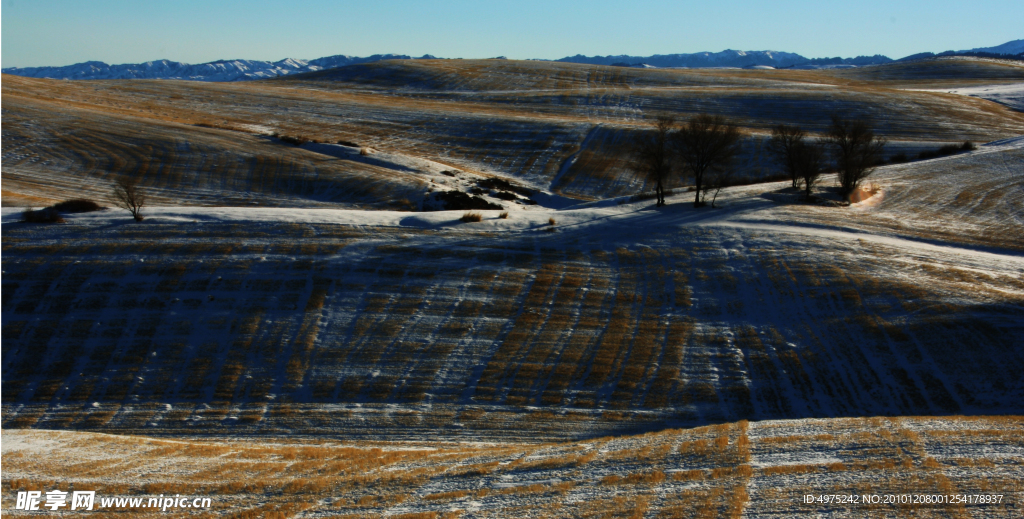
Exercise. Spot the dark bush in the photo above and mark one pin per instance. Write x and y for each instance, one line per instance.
(943, 151)
(968, 146)
(505, 195)
(459, 201)
(350, 144)
(449, 173)
(498, 183)
(78, 205)
(298, 141)
(899, 158)
(48, 215)
(477, 191)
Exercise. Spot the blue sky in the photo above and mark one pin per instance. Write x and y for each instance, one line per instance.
(62, 32)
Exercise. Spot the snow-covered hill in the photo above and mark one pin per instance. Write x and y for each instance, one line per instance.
(585, 321)
(220, 70)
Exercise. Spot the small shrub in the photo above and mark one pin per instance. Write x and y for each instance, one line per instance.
(298, 141)
(968, 146)
(448, 173)
(48, 215)
(77, 205)
(503, 215)
(459, 201)
(472, 217)
(405, 204)
(365, 151)
(497, 183)
(551, 221)
(942, 151)
(505, 195)
(899, 158)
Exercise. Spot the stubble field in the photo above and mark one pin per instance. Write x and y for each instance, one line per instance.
(585, 356)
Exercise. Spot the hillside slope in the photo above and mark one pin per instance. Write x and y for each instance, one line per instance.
(561, 128)
(389, 325)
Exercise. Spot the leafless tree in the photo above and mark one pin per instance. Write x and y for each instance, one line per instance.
(783, 144)
(651, 154)
(129, 196)
(704, 143)
(856, 149)
(808, 163)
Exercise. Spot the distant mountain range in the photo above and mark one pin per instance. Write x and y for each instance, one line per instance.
(1014, 49)
(243, 70)
(1010, 47)
(221, 70)
(729, 58)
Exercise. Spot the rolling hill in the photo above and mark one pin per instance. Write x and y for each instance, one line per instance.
(557, 128)
(289, 334)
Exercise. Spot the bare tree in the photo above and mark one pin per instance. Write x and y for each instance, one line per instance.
(783, 144)
(802, 158)
(808, 163)
(704, 143)
(651, 154)
(129, 196)
(856, 149)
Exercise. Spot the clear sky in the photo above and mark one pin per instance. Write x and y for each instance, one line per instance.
(63, 32)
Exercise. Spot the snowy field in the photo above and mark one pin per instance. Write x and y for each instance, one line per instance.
(286, 334)
(557, 127)
(743, 469)
(1011, 95)
(384, 324)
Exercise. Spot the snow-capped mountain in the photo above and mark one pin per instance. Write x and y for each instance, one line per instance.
(728, 58)
(221, 70)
